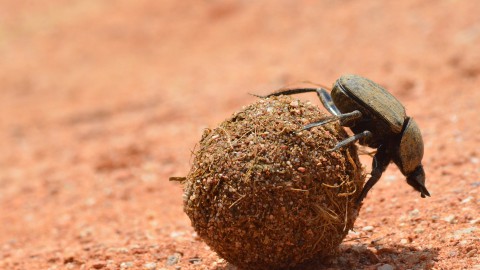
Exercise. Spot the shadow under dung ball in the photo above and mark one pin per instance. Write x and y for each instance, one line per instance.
(264, 195)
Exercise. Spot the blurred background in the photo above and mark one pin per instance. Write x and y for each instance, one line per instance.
(102, 101)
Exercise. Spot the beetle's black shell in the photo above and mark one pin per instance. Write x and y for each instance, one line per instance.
(370, 98)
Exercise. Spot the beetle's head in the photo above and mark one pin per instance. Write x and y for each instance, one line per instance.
(409, 156)
(416, 179)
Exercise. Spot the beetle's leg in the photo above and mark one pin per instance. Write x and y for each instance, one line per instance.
(342, 118)
(321, 92)
(352, 139)
(289, 92)
(380, 162)
(328, 102)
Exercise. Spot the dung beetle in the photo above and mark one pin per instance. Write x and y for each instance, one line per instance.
(378, 120)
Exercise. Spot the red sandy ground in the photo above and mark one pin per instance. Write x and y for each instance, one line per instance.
(102, 101)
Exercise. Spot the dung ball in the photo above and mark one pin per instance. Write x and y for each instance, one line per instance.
(263, 193)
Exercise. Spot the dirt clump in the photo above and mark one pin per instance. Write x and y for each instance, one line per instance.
(263, 193)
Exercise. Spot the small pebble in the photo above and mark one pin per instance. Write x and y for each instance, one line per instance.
(475, 184)
(120, 250)
(301, 169)
(367, 228)
(450, 219)
(475, 221)
(195, 260)
(386, 267)
(419, 230)
(464, 243)
(173, 259)
(403, 241)
(391, 178)
(150, 266)
(414, 213)
(459, 233)
(125, 265)
(467, 200)
(176, 234)
(453, 253)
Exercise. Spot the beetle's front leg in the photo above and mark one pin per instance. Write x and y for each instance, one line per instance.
(380, 162)
(327, 101)
(289, 92)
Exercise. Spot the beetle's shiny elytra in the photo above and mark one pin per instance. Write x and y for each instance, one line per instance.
(370, 99)
(379, 121)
